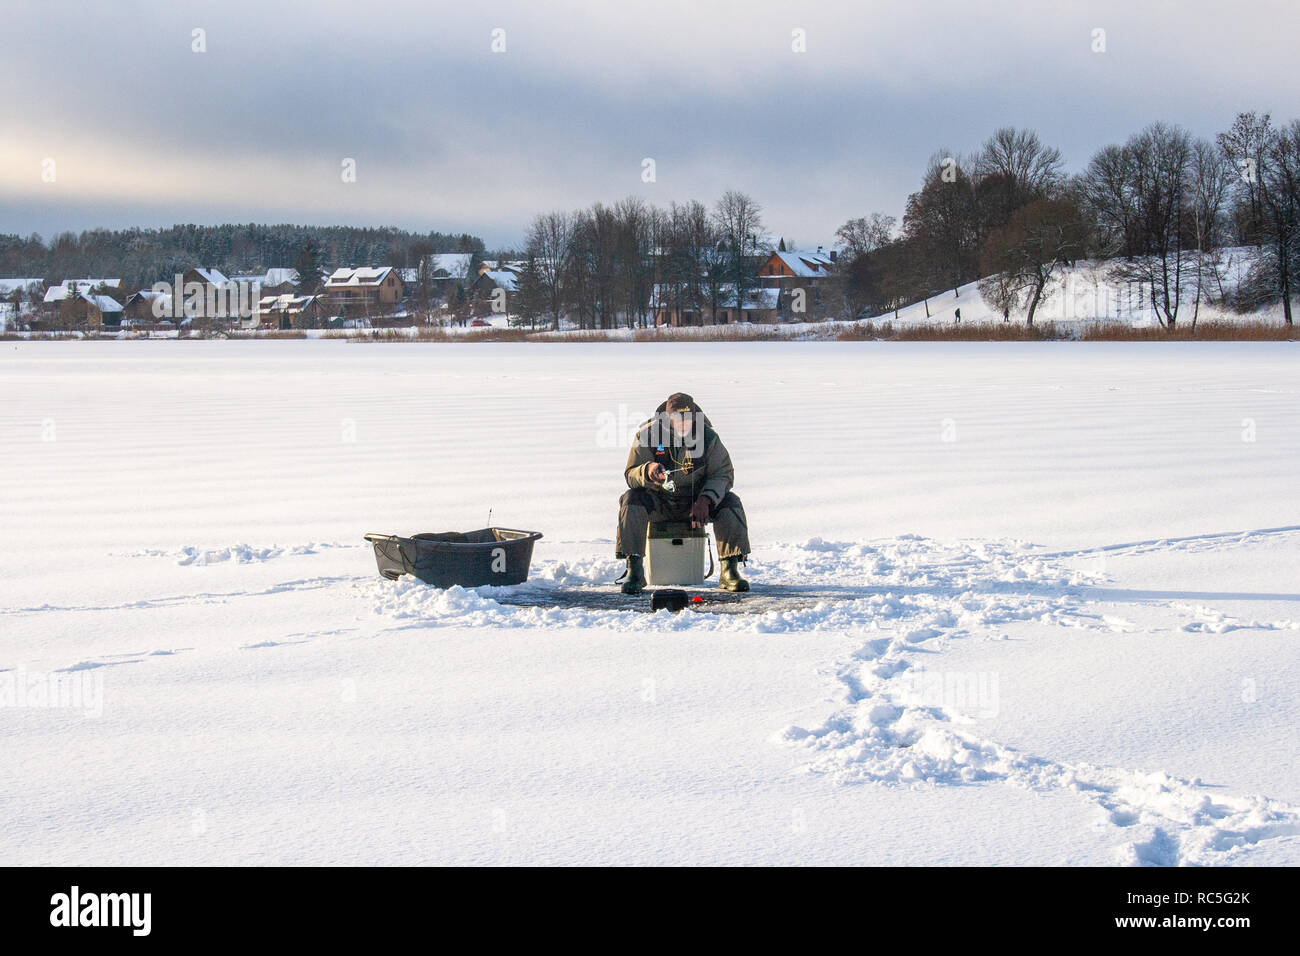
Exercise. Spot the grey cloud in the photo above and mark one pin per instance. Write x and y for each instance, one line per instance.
(480, 142)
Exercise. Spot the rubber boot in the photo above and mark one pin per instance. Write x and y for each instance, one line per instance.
(729, 578)
(634, 583)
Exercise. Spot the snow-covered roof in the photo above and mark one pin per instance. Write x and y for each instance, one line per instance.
(82, 287)
(806, 265)
(442, 266)
(153, 298)
(285, 302)
(57, 293)
(280, 276)
(272, 277)
(504, 278)
(105, 303)
(212, 276)
(455, 264)
(358, 278)
(754, 299)
(497, 265)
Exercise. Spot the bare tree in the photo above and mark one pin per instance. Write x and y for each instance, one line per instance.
(895, 281)
(1142, 198)
(1026, 254)
(1211, 179)
(687, 246)
(1245, 146)
(1107, 188)
(637, 233)
(1012, 169)
(1280, 200)
(864, 235)
(1002, 291)
(940, 224)
(550, 246)
(740, 222)
(858, 271)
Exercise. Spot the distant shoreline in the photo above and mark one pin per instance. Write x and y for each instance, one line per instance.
(1252, 330)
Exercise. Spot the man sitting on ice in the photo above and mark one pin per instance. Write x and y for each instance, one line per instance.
(678, 470)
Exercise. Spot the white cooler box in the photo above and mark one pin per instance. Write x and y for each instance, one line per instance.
(675, 553)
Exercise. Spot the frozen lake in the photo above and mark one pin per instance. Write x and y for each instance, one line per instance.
(1074, 639)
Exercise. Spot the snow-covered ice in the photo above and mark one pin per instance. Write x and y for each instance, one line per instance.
(1073, 637)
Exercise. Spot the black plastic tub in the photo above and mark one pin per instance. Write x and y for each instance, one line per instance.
(468, 558)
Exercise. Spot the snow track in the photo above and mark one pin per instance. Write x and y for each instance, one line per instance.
(884, 732)
(918, 596)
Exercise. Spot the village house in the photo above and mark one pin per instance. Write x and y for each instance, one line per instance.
(214, 288)
(206, 277)
(288, 311)
(410, 279)
(669, 308)
(490, 279)
(443, 269)
(273, 281)
(91, 309)
(367, 289)
(147, 307)
(75, 302)
(789, 271)
(485, 288)
(497, 265)
(280, 281)
(785, 269)
(199, 294)
(671, 304)
(70, 288)
(450, 266)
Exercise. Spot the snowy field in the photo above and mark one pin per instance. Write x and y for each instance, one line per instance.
(1075, 640)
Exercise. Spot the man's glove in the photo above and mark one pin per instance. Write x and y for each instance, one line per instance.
(700, 512)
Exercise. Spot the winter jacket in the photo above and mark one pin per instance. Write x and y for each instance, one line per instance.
(710, 471)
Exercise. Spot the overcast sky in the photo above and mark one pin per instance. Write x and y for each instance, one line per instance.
(448, 135)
